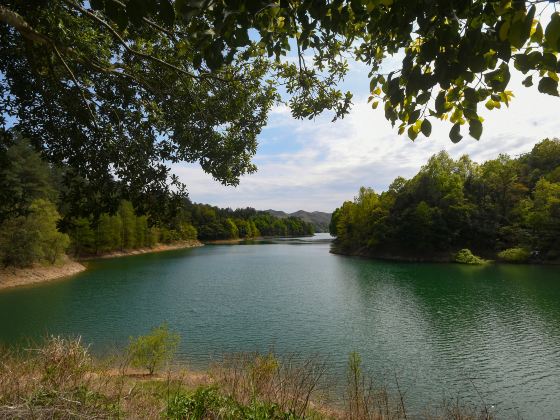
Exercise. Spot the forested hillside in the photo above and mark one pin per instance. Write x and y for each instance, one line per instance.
(217, 223)
(507, 208)
(47, 210)
(319, 219)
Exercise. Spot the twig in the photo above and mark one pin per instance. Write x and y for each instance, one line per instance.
(76, 83)
(400, 396)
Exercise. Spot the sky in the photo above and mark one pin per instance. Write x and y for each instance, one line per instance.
(316, 165)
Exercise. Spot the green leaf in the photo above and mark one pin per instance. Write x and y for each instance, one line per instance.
(552, 33)
(412, 134)
(136, 10)
(498, 79)
(166, 12)
(413, 117)
(528, 82)
(475, 128)
(426, 128)
(521, 29)
(423, 98)
(549, 86)
(538, 34)
(455, 133)
(117, 14)
(440, 102)
(504, 30)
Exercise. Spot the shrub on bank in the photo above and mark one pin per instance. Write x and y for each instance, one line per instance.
(465, 256)
(153, 350)
(209, 403)
(514, 255)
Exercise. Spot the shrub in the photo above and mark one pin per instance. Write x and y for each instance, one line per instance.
(64, 362)
(465, 256)
(208, 402)
(514, 255)
(152, 350)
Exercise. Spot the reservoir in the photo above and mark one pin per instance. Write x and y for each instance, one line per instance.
(446, 331)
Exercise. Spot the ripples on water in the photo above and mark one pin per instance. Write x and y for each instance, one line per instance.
(490, 333)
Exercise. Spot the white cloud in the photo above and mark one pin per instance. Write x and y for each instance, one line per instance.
(331, 161)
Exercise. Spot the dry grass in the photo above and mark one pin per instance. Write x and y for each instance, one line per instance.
(294, 385)
(59, 379)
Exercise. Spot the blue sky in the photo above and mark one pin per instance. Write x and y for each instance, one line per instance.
(316, 165)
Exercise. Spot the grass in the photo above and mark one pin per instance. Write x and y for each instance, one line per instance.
(59, 379)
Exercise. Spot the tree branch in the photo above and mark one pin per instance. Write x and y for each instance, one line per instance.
(131, 50)
(69, 70)
(16, 21)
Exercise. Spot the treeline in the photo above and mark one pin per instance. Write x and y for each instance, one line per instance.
(122, 230)
(217, 223)
(506, 208)
(47, 210)
(37, 226)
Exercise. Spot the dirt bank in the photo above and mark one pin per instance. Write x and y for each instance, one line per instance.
(15, 277)
(157, 248)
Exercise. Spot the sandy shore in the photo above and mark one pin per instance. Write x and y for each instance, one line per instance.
(225, 241)
(157, 248)
(15, 277)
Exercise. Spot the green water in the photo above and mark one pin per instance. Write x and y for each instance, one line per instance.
(445, 330)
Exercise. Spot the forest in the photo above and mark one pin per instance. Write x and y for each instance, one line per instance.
(505, 208)
(46, 210)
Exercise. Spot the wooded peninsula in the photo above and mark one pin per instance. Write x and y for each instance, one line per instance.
(505, 208)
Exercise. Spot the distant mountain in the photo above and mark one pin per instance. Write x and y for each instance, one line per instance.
(319, 219)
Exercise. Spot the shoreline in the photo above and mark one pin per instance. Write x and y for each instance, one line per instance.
(13, 277)
(437, 259)
(139, 251)
(256, 238)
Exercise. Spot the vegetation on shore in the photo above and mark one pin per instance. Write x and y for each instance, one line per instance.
(60, 379)
(505, 208)
(214, 223)
(42, 217)
(465, 256)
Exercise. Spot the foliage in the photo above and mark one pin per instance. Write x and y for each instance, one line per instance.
(215, 223)
(514, 255)
(207, 402)
(465, 256)
(128, 219)
(113, 107)
(153, 350)
(32, 238)
(82, 237)
(23, 178)
(452, 204)
(455, 56)
(60, 379)
(121, 227)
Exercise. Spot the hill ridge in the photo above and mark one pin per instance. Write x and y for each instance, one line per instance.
(320, 219)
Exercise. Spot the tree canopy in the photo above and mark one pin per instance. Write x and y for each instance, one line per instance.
(169, 59)
(111, 92)
(504, 207)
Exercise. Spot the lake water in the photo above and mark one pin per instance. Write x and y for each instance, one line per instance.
(445, 330)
